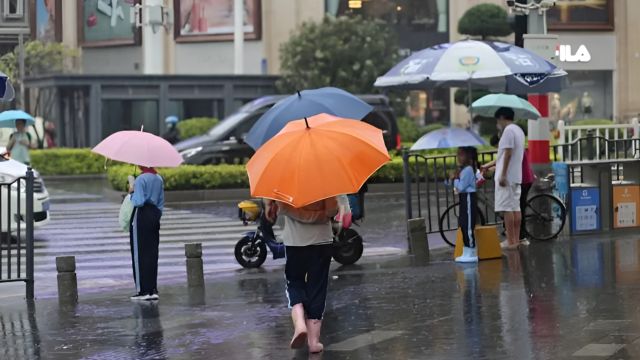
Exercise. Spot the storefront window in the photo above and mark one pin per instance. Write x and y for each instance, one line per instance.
(418, 23)
(581, 15)
(589, 96)
(186, 109)
(129, 115)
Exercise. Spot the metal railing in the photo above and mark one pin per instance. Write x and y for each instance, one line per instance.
(625, 133)
(16, 232)
(427, 196)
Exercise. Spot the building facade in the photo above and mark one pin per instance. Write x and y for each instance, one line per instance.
(198, 42)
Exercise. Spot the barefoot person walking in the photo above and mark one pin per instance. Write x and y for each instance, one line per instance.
(308, 239)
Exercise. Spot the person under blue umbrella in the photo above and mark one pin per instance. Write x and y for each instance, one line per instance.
(20, 143)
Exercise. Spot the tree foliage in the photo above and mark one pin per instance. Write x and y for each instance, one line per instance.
(485, 21)
(349, 53)
(461, 96)
(39, 58)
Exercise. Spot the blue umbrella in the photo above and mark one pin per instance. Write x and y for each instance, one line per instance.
(8, 118)
(493, 65)
(6, 90)
(306, 103)
(447, 138)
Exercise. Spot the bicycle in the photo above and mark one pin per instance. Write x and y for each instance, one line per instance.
(544, 218)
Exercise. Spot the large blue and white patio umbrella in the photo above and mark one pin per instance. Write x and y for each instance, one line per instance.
(7, 93)
(494, 65)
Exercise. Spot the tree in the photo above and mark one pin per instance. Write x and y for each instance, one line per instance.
(39, 58)
(485, 21)
(461, 96)
(349, 53)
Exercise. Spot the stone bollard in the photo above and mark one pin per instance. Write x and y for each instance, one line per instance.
(67, 280)
(195, 270)
(418, 240)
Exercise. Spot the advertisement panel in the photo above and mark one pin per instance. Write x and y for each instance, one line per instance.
(585, 209)
(625, 205)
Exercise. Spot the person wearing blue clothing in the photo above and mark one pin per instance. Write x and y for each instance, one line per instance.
(147, 197)
(465, 185)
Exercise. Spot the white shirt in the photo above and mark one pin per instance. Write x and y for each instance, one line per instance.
(512, 138)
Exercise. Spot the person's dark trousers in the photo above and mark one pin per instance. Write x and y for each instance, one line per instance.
(307, 274)
(523, 205)
(144, 237)
(467, 218)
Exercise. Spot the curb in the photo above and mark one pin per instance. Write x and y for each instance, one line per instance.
(73, 177)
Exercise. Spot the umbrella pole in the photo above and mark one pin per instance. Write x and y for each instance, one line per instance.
(470, 96)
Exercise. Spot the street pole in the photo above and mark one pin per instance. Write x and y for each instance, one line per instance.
(21, 70)
(238, 36)
(152, 40)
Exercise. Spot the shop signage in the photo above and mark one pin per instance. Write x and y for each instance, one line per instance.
(564, 54)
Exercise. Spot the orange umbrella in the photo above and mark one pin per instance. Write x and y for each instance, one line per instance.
(316, 158)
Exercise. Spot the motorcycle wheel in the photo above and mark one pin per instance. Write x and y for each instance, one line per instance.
(250, 254)
(347, 248)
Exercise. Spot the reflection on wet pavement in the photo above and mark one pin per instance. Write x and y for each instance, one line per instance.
(558, 300)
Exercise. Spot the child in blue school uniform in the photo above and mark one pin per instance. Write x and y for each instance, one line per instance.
(465, 185)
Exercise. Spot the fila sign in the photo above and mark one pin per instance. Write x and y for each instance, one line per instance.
(565, 53)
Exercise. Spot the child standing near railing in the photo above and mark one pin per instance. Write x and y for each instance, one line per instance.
(464, 182)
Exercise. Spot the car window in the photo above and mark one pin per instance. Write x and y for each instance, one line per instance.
(244, 128)
(226, 126)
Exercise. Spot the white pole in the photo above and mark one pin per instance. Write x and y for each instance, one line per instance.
(22, 101)
(152, 41)
(238, 36)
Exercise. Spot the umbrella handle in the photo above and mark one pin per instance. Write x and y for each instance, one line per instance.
(283, 196)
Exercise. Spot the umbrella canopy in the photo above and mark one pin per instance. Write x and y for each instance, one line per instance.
(8, 118)
(306, 103)
(139, 148)
(495, 65)
(7, 92)
(448, 138)
(315, 159)
(489, 104)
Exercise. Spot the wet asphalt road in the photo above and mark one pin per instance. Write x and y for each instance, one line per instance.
(569, 299)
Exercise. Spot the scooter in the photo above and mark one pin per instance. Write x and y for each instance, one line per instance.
(251, 249)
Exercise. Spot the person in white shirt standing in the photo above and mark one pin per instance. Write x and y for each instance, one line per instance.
(508, 175)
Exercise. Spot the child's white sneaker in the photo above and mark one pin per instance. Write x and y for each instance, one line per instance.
(469, 255)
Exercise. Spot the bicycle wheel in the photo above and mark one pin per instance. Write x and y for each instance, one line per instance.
(447, 227)
(544, 217)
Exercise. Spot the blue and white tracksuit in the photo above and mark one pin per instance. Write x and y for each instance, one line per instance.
(466, 186)
(148, 202)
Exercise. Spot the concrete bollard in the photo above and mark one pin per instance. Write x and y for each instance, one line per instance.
(418, 240)
(195, 270)
(67, 280)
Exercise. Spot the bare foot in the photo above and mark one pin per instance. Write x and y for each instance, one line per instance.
(316, 348)
(314, 326)
(299, 339)
(299, 327)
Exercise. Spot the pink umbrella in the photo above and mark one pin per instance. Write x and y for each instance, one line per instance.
(139, 148)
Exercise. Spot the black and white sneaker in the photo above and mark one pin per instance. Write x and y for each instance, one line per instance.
(154, 296)
(142, 297)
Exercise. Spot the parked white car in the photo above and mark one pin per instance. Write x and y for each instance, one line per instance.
(10, 170)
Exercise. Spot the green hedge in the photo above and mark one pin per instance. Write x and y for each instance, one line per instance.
(188, 177)
(61, 161)
(207, 177)
(195, 126)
